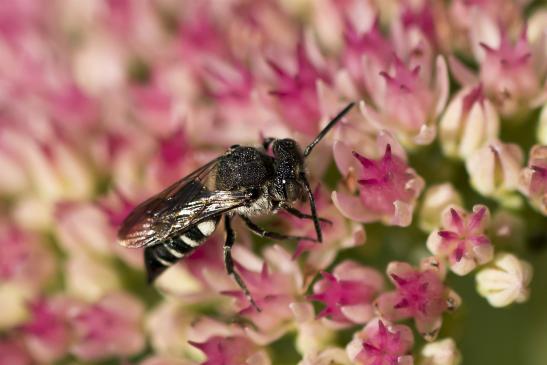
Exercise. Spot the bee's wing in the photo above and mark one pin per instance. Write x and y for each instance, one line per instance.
(179, 206)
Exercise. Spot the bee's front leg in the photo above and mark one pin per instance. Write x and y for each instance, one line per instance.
(299, 214)
(273, 235)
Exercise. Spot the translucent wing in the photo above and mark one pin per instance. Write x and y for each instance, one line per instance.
(186, 202)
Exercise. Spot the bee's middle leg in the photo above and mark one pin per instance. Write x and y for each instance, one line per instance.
(273, 235)
(229, 262)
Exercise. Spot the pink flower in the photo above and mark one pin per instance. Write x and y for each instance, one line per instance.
(13, 353)
(419, 294)
(338, 235)
(48, 335)
(233, 350)
(508, 72)
(274, 287)
(381, 343)
(513, 73)
(365, 55)
(109, 327)
(165, 360)
(410, 99)
(23, 259)
(348, 292)
(388, 189)
(533, 179)
(296, 91)
(462, 239)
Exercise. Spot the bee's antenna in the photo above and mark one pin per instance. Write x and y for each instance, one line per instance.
(329, 126)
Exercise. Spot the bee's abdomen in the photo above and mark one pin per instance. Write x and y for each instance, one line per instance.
(159, 257)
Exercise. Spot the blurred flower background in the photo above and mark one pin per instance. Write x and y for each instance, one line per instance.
(436, 183)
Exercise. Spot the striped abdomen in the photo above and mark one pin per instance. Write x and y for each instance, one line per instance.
(159, 257)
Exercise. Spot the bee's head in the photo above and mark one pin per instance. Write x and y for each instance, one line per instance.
(289, 167)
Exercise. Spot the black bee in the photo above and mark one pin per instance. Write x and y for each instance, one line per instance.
(244, 181)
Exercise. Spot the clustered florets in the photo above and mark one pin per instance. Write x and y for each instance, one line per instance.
(106, 102)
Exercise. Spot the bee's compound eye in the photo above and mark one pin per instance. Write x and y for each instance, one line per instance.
(234, 146)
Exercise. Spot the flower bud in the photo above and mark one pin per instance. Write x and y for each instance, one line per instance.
(533, 179)
(495, 168)
(443, 352)
(469, 122)
(89, 278)
(436, 199)
(542, 126)
(506, 281)
(14, 310)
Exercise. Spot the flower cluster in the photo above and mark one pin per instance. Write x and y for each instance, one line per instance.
(104, 103)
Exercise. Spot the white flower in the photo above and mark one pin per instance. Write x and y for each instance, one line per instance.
(506, 281)
(443, 352)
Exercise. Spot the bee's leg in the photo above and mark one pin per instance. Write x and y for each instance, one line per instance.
(229, 262)
(312, 207)
(301, 215)
(273, 235)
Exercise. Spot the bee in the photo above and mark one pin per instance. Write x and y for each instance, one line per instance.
(244, 182)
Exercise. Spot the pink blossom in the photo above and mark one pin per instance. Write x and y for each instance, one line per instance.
(12, 352)
(462, 240)
(410, 99)
(463, 12)
(109, 327)
(382, 343)
(419, 294)
(512, 72)
(23, 259)
(274, 286)
(165, 360)
(508, 72)
(533, 179)
(365, 55)
(48, 335)
(348, 292)
(296, 91)
(388, 189)
(227, 350)
(338, 234)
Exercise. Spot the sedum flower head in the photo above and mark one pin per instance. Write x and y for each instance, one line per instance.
(382, 343)
(462, 240)
(505, 281)
(419, 294)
